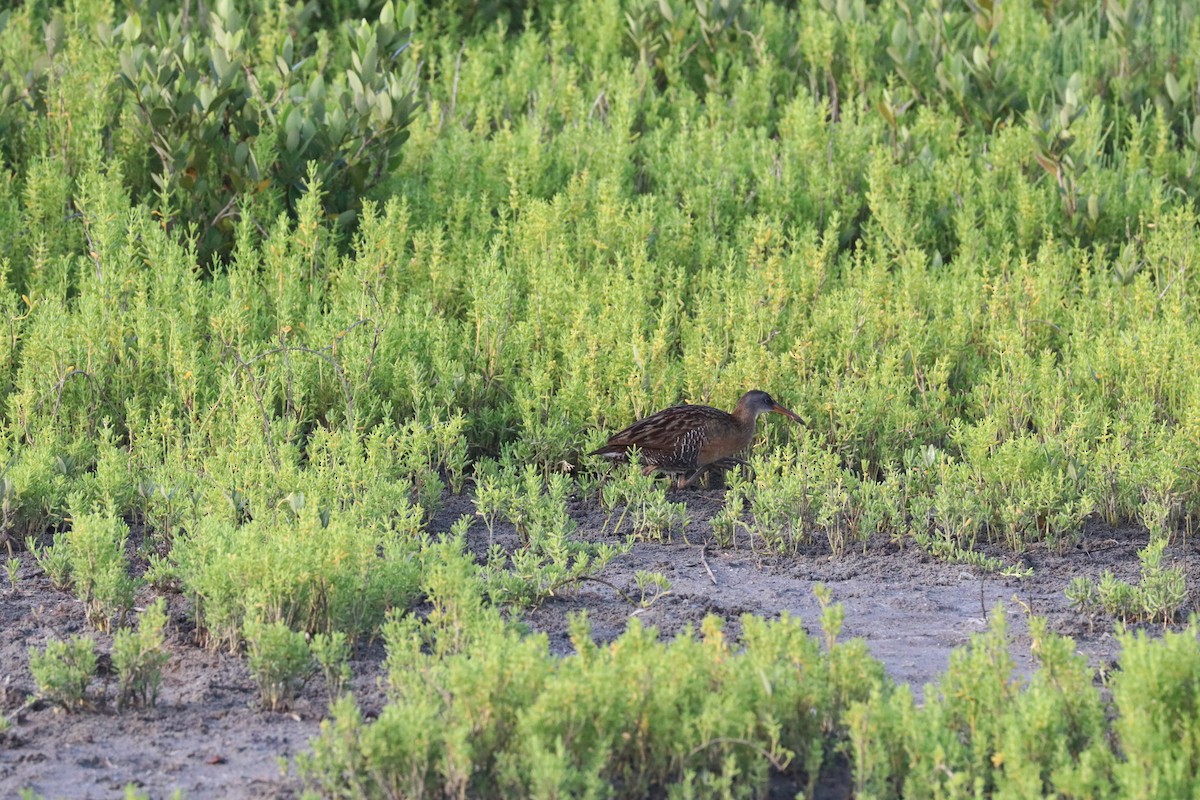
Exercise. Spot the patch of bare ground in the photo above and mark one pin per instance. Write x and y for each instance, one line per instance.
(911, 608)
(208, 738)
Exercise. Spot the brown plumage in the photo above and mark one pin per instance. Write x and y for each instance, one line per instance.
(685, 440)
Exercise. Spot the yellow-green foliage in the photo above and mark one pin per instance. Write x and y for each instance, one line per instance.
(609, 207)
(550, 559)
(99, 571)
(139, 657)
(296, 569)
(474, 706)
(331, 652)
(64, 669)
(957, 238)
(279, 661)
(1158, 596)
(984, 732)
(1157, 696)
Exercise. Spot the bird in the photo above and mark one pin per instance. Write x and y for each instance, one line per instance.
(685, 440)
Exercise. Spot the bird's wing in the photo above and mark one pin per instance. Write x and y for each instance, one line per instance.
(664, 429)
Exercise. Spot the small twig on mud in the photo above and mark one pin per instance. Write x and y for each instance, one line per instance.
(982, 605)
(603, 582)
(704, 561)
(15, 715)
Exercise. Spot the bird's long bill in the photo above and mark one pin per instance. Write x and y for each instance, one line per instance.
(790, 414)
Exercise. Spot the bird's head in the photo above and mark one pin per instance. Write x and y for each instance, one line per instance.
(757, 402)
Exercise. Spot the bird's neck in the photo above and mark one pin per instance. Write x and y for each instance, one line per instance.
(745, 417)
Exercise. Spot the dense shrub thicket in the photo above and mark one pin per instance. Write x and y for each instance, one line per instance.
(957, 241)
(277, 276)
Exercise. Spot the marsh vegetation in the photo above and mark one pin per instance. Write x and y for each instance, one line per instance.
(287, 284)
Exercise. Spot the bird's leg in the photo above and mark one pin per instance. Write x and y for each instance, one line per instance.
(716, 477)
(605, 477)
(730, 462)
(717, 471)
(747, 468)
(676, 479)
